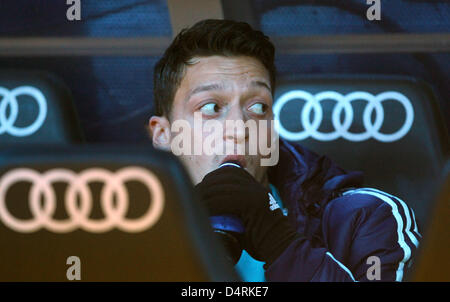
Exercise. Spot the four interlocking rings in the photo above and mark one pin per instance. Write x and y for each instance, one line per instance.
(343, 103)
(78, 215)
(8, 99)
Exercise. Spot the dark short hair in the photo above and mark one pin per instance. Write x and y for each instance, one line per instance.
(207, 38)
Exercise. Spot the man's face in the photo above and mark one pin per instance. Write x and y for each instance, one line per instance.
(222, 89)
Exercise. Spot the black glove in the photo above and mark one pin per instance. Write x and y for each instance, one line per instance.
(233, 191)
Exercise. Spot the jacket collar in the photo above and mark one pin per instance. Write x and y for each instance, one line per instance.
(304, 179)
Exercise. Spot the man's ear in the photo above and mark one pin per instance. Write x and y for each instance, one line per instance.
(159, 127)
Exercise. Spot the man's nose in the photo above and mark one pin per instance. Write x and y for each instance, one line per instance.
(234, 126)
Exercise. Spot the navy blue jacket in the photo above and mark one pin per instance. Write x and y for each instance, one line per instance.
(343, 225)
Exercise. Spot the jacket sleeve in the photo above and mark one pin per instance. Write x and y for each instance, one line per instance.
(368, 234)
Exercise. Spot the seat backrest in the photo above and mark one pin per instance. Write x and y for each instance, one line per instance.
(127, 214)
(388, 127)
(36, 108)
(431, 264)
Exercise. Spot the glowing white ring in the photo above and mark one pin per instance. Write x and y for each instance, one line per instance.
(343, 102)
(114, 184)
(10, 98)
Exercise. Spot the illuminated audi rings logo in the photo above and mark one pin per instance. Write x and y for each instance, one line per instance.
(343, 102)
(78, 214)
(9, 99)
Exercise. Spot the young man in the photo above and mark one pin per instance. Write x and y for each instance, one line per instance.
(324, 226)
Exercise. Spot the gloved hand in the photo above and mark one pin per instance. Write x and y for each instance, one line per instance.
(233, 191)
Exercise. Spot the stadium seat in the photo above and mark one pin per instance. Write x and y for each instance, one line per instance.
(36, 108)
(388, 127)
(127, 213)
(431, 264)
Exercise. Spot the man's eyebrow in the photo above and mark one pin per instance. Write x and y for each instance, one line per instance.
(206, 87)
(218, 86)
(260, 84)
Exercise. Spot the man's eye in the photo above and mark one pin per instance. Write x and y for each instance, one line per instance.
(210, 109)
(258, 108)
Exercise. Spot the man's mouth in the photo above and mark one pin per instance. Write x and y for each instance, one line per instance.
(237, 159)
